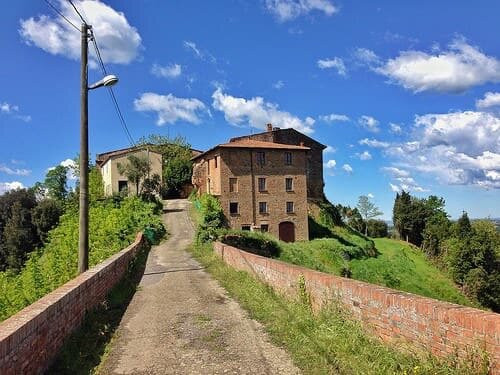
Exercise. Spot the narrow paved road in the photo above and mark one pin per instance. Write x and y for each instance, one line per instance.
(181, 321)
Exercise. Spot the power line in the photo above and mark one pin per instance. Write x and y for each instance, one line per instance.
(62, 15)
(111, 92)
(77, 12)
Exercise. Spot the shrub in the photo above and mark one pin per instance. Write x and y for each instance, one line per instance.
(253, 242)
(212, 218)
(329, 215)
(376, 228)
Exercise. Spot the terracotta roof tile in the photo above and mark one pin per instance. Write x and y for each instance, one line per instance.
(261, 144)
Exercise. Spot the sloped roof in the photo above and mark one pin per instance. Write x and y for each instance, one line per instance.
(254, 144)
(277, 130)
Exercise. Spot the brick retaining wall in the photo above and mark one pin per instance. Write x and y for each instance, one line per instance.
(441, 327)
(30, 339)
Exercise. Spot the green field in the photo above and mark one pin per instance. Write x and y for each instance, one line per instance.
(397, 265)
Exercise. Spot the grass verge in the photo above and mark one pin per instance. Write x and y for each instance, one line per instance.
(86, 348)
(329, 342)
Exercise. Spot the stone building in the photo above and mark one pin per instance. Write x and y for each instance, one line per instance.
(113, 180)
(261, 184)
(315, 183)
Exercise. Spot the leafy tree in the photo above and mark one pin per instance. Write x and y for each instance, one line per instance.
(355, 220)
(177, 166)
(463, 228)
(377, 228)
(96, 184)
(45, 216)
(437, 230)
(136, 170)
(56, 183)
(329, 215)
(401, 214)
(151, 188)
(367, 209)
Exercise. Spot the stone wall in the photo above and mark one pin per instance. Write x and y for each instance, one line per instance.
(441, 327)
(30, 339)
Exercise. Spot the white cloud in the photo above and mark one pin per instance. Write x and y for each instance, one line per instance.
(202, 55)
(13, 110)
(396, 172)
(168, 71)
(14, 171)
(395, 128)
(118, 42)
(329, 150)
(454, 70)
(336, 63)
(458, 148)
(257, 113)
(286, 10)
(169, 108)
(491, 99)
(330, 164)
(8, 186)
(373, 143)
(370, 195)
(365, 56)
(395, 188)
(369, 123)
(347, 168)
(365, 155)
(334, 117)
(278, 85)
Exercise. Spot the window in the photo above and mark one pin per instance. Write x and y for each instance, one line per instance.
(289, 207)
(233, 208)
(215, 161)
(245, 227)
(289, 184)
(264, 227)
(122, 185)
(233, 185)
(262, 184)
(261, 158)
(288, 158)
(263, 207)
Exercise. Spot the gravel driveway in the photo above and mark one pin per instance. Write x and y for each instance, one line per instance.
(181, 321)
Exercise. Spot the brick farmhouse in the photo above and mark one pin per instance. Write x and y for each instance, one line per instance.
(264, 181)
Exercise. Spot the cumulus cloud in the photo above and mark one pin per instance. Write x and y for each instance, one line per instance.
(396, 172)
(347, 168)
(365, 56)
(257, 113)
(491, 99)
(369, 123)
(14, 171)
(330, 164)
(402, 180)
(169, 108)
(374, 143)
(8, 186)
(395, 188)
(395, 128)
(452, 70)
(370, 195)
(286, 10)
(336, 63)
(458, 148)
(119, 42)
(334, 117)
(168, 71)
(365, 155)
(329, 150)
(13, 110)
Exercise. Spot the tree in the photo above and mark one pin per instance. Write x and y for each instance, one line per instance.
(377, 228)
(96, 185)
(136, 170)
(401, 214)
(151, 188)
(367, 209)
(56, 183)
(437, 230)
(45, 216)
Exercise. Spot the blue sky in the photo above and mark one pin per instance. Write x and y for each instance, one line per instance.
(407, 96)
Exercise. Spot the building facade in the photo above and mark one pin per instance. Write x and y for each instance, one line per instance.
(260, 185)
(114, 181)
(314, 168)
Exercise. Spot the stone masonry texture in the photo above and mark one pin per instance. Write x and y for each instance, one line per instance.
(440, 327)
(30, 339)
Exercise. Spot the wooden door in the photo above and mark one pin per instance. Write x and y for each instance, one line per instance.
(287, 231)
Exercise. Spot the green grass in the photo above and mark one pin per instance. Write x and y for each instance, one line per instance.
(86, 348)
(397, 265)
(325, 343)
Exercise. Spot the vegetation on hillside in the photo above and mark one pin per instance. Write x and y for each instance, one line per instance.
(317, 342)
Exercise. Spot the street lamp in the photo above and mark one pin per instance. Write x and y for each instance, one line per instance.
(109, 80)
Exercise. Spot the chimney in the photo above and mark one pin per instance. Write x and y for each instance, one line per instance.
(269, 127)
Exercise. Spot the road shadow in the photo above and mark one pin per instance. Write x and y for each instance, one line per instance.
(168, 210)
(82, 352)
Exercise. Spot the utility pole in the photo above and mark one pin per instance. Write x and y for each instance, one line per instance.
(83, 243)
